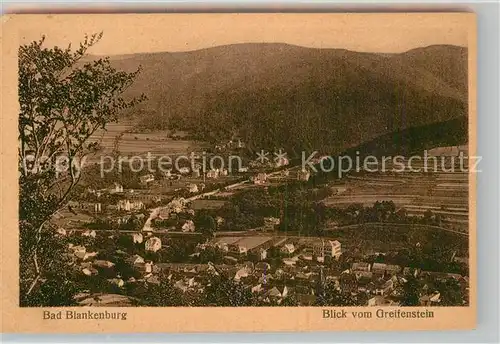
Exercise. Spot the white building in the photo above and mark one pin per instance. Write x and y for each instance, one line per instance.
(327, 248)
(137, 238)
(153, 244)
(335, 248)
(188, 226)
(89, 271)
(184, 170)
(303, 175)
(89, 233)
(241, 273)
(260, 178)
(103, 263)
(222, 246)
(177, 205)
(117, 188)
(281, 161)
(239, 249)
(219, 220)
(148, 267)
(135, 259)
(271, 222)
(79, 251)
(61, 231)
(192, 188)
(117, 281)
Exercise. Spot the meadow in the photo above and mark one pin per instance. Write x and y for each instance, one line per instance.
(123, 137)
(441, 193)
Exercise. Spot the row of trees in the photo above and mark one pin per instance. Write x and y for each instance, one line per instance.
(224, 292)
(385, 211)
(300, 209)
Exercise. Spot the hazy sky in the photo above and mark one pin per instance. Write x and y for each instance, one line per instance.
(128, 33)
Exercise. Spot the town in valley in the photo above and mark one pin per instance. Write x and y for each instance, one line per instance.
(271, 231)
(271, 234)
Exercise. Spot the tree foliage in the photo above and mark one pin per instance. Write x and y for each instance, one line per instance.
(328, 294)
(64, 99)
(224, 292)
(410, 295)
(163, 294)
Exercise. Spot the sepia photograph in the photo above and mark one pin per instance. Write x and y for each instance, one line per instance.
(322, 162)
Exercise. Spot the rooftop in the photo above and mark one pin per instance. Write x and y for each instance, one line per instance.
(252, 242)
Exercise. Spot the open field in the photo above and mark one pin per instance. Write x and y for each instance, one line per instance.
(68, 220)
(386, 237)
(442, 193)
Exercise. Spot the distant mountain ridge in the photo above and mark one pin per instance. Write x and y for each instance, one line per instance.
(276, 94)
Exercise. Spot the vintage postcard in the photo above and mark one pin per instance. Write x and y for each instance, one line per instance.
(238, 172)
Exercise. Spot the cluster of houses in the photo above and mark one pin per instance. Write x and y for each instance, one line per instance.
(175, 206)
(299, 270)
(90, 264)
(216, 173)
(147, 178)
(257, 164)
(130, 205)
(196, 172)
(116, 188)
(384, 283)
(379, 284)
(292, 251)
(132, 199)
(234, 143)
(264, 178)
(301, 265)
(88, 207)
(270, 223)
